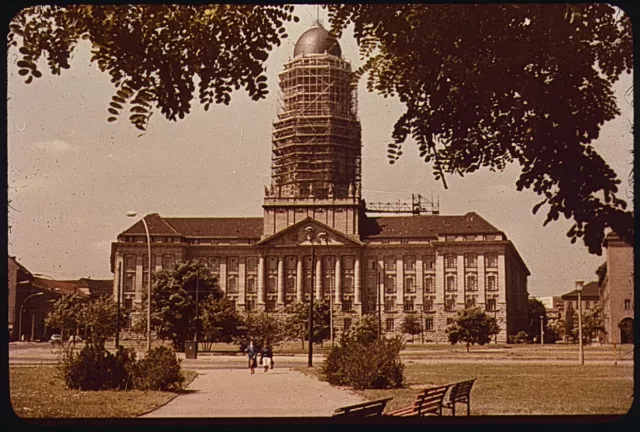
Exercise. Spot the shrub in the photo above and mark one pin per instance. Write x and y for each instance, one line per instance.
(94, 368)
(159, 370)
(522, 337)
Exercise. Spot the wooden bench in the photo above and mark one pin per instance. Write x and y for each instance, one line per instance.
(428, 402)
(460, 393)
(365, 409)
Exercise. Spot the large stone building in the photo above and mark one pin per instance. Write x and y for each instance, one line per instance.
(316, 223)
(616, 288)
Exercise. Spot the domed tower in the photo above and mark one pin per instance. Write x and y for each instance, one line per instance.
(316, 148)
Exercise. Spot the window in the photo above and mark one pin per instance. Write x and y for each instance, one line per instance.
(290, 286)
(272, 284)
(389, 263)
(128, 322)
(429, 284)
(470, 302)
(272, 263)
(429, 262)
(390, 283)
(450, 304)
(491, 261)
(409, 284)
(347, 283)
(451, 282)
(450, 261)
(232, 284)
(449, 321)
(130, 262)
(390, 325)
(587, 305)
(347, 304)
(491, 305)
(409, 263)
(128, 303)
(250, 304)
(129, 282)
(167, 261)
(252, 265)
(627, 304)
(270, 305)
(389, 305)
(492, 282)
(251, 284)
(347, 324)
(450, 238)
(215, 264)
(470, 238)
(470, 260)
(428, 304)
(428, 324)
(472, 282)
(232, 264)
(408, 305)
(145, 279)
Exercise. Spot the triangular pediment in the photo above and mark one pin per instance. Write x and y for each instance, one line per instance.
(296, 235)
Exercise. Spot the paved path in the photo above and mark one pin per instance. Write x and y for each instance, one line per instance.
(235, 392)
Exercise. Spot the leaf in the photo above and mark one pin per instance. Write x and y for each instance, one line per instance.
(111, 119)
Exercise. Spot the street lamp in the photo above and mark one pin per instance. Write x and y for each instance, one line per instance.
(579, 287)
(146, 230)
(541, 329)
(309, 234)
(22, 307)
(323, 236)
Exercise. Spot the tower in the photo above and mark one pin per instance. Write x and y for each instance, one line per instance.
(316, 150)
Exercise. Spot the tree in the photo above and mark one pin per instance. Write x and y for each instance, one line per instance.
(363, 331)
(592, 324)
(411, 325)
(489, 85)
(483, 85)
(472, 326)
(173, 301)
(535, 309)
(263, 329)
(100, 317)
(298, 321)
(64, 314)
(569, 325)
(220, 320)
(153, 52)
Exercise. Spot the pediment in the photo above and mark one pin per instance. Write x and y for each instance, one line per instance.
(296, 235)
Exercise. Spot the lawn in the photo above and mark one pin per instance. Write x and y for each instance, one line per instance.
(37, 393)
(521, 389)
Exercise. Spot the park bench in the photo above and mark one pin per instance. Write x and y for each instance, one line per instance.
(428, 402)
(365, 409)
(460, 393)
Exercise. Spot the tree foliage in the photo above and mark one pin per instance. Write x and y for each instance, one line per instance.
(297, 322)
(490, 85)
(535, 310)
(173, 301)
(100, 318)
(472, 326)
(483, 85)
(65, 314)
(153, 52)
(592, 324)
(220, 320)
(263, 329)
(411, 325)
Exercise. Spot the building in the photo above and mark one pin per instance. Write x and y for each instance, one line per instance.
(590, 298)
(615, 283)
(317, 226)
(553, 305)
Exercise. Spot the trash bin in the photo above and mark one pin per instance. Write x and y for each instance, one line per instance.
(191, 350)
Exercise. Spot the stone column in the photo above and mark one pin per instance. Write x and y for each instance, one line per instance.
(338, 280)
(357, 282)
(318, 286)
(300, 280)
(482, 299)
(439, 279)
(222, 283)
(242, 279)
(139, 287)
(400, 282)
(261, 280)
(280, 280)
(461, 281)
(419, 282)
(502, 279)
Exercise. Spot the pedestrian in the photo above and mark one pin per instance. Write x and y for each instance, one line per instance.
(253, 357)
(267, 357)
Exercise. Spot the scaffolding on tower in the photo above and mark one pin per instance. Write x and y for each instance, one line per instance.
(418, 205)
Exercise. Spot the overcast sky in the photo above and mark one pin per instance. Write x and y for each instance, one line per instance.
(73, 176)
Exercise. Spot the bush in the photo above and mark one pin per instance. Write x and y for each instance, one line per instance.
(522, 337)
(95, 368)
(362, 361)
(159, 370)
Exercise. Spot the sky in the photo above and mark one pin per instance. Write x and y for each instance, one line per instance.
(73, 176)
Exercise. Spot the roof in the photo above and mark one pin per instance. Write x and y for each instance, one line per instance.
(317, 40)
(425, 226)
(60, 286)
(589, 290)
(244, 227)
(20, 266)
(97, 286)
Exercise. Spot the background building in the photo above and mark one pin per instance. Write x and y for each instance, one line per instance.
(428, 265)
(554, 307)
(616, 287)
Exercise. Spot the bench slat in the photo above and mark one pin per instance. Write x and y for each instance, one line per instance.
(365, 409)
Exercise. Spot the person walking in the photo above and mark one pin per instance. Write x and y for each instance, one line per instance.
(267, 357)
(253, 357)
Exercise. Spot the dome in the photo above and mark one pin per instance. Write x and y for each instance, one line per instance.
(317, 41)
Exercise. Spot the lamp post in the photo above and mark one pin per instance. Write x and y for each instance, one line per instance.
(379, 308)
(579, 287)
(541, 329)
(323, 236)
(422, 323)
(22, 307)
(309, 234)
(146, 230)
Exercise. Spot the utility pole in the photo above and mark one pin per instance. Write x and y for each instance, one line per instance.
(541, 329)
(195, 336)
(311, 294)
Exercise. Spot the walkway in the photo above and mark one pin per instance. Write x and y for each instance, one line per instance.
(234, 392)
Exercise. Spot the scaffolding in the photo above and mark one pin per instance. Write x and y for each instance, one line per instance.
(419, 205)
(317, 137)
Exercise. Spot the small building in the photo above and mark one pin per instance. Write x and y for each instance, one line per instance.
(615, 286)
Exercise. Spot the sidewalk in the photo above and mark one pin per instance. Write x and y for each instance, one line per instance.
(236, 393)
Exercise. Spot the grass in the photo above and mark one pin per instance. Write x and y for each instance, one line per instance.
(521, 389)
(37, 393)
